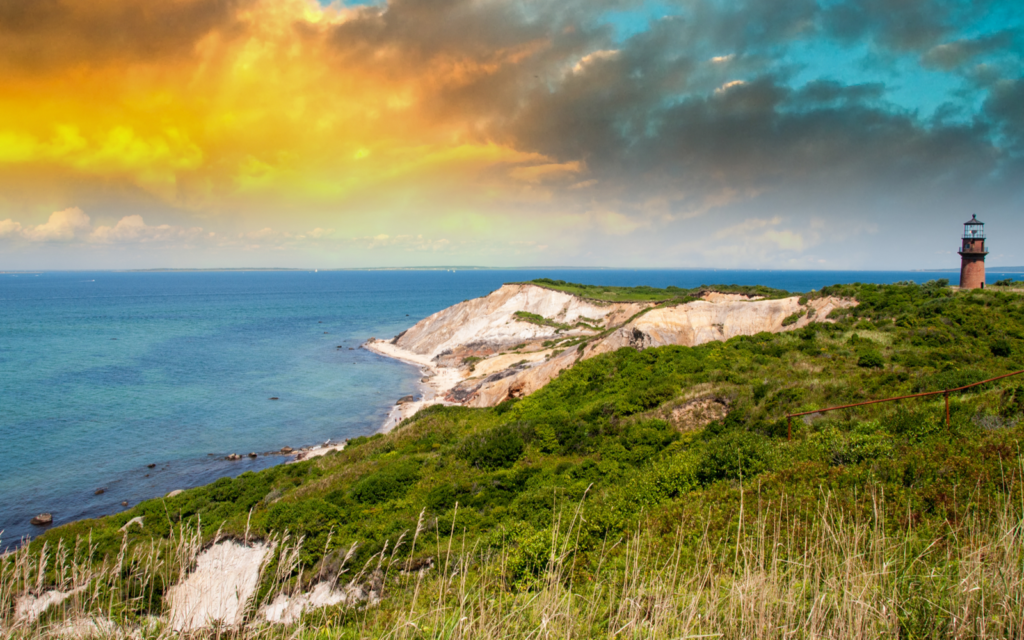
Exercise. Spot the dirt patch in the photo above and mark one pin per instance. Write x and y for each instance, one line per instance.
(698, 413)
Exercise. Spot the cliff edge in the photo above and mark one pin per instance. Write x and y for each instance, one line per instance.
(513, 341)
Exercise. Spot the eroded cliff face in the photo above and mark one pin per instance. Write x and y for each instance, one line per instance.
(490, 324)
(500, 354)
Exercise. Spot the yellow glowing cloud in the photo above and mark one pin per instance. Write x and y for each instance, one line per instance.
(248, 104)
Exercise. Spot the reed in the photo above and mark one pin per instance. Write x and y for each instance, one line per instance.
(781, 572)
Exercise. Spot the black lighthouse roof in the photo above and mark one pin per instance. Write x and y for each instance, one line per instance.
(974, 220)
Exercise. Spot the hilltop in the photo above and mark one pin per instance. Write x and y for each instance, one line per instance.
(514, 341)
(645, 491)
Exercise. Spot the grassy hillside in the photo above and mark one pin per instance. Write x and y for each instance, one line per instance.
(605, 505)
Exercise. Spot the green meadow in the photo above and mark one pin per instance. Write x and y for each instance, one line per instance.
(605, 506)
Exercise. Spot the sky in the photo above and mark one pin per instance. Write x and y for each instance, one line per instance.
(787, 134)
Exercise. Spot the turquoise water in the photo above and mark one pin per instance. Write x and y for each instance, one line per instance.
(103, 374)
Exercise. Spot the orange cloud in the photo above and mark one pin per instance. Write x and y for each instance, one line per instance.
(241, 105)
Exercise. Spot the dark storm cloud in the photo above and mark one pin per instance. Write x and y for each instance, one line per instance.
(41, 34)
(657, 112)
(898, 24)
(954, 54)
(1005, 105)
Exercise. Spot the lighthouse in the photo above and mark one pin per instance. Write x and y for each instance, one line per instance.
(972, 255)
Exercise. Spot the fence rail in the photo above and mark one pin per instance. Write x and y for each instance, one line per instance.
(945, 392)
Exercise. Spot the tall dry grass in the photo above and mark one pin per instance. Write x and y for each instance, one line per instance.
(781, 572)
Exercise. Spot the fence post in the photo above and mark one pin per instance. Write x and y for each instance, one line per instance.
(946, 394)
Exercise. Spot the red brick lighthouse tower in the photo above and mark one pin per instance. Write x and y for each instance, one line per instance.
(972, 255)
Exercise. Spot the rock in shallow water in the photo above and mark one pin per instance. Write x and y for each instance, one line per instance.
(42, 520)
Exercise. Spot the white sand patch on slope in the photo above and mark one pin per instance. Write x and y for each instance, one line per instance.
(220, 587)
(287, 609)
(28, 608)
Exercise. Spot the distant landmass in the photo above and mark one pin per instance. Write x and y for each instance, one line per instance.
(442, 268)
(989, 269)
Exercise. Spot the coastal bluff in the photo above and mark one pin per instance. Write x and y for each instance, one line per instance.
(510, 343)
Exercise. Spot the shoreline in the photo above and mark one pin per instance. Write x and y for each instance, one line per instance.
(434, 385)
(431, 392)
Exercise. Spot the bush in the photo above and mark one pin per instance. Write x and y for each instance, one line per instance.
(871, 359)
(386, 484)
(733, 455)
(952, 379)
(496, 448)
(910, 423)
(529, 557)
(1001, 348)
(640, 442)
(793, 319)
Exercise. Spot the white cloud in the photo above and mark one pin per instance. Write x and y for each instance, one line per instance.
(407, 242)
(9, 227)
(318, 233)
(134, 229)
(729, 85)
(597, 56)
(63, 226)
(72, 224)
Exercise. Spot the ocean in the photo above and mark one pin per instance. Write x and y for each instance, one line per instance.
(103, 374)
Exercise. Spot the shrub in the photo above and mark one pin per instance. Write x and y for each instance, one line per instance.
(909, 423)
(1001, 348)
(386, 484)
(792, 319)
(871, 359)
(496, 448)
(639, 442)
(952, 379)
(1012, 401)
(735, 454)
(529, 558)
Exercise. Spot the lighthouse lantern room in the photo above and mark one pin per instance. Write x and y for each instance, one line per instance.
(972, 255)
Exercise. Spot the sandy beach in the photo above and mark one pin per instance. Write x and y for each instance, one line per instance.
(437, 381)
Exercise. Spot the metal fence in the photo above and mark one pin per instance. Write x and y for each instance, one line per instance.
(945, 392)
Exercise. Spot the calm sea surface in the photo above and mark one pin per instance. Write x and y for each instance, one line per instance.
(103, 374)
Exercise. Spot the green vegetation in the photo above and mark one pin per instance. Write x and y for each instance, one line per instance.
(534, 318)
(652, 294)
(793, 318)
(583, 510)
